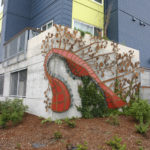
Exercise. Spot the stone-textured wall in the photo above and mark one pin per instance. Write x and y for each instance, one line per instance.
(36, 84)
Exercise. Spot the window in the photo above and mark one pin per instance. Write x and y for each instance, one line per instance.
(18, 83)
(1, 84)
(47, 25)
(98, 1)
(87, 28)
(96, 31)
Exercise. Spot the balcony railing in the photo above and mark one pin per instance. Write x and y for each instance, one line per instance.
(18, 44)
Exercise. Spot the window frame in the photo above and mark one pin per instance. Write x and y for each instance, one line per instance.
(18, 79)
(98, 2)
(86, 24)
(46, 24)
(2, 85)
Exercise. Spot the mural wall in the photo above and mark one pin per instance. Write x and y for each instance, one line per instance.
(81, 58)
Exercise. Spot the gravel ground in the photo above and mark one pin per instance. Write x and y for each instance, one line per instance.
(31, 134)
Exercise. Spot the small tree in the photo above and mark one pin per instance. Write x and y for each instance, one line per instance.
(107, 19)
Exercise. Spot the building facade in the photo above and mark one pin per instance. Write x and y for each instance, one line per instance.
(42, 14)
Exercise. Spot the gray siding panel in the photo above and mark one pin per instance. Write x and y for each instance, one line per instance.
(60, 11)
(138, 8)
(134, 35)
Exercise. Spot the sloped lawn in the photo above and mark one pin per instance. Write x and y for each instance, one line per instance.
(95, 132)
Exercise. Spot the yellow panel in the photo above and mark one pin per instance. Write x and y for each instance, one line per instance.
(89, 12)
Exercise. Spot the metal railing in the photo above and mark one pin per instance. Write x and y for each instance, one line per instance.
(18, 44)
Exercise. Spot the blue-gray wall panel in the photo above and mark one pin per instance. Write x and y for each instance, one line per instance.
(60, 11)
(134, 35)
(14, 24)
(137, 8)
(17, 17)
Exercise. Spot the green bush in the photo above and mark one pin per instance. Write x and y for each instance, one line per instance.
(57, 135)
(11, 110)
(116, 144)
(92, 99)
(58, 121)
(70, 123)
(46, 120)
(113, 120)
(140, 110)
(142, 128)
(82, 146)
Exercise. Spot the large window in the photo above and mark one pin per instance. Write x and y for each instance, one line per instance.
(1, 84)
(47, 25)
(86, 28)
(18, 83)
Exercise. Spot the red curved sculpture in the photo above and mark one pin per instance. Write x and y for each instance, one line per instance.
(81, 68)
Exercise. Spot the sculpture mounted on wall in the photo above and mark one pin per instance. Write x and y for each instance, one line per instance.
(81, 59)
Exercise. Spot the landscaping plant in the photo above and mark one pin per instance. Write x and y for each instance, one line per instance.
(46, 120)
(113, 120)
(57, 135)
(140, 110)
(11, 110)
(92, 99)
(82, 146)
(142, 128)
(58, 121)
(116, 144)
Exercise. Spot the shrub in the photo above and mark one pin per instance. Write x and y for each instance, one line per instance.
(57, 135)
(46, 120)
(70, 123)
(11, 110)
(142, 128)
(82, 146)
(141, 148)
(140, 110)
(113, 120)
(59, 122)
(116, 144)
(92, 99)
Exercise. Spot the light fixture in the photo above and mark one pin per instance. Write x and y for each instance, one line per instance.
(133, 19)
(142, 23)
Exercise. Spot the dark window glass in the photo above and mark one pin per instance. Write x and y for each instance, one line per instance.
(99, 1)
(44, 28)
(49, 25)
(14, 83)
(1, 84)
(18, 83)
(96, 31)
(22, 83)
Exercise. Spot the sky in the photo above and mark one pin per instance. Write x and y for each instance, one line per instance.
(1, 8)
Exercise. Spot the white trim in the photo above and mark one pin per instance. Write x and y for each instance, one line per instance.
(46, 24)
(98, 2)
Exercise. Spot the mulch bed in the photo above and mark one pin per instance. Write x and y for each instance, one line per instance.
(96, 132)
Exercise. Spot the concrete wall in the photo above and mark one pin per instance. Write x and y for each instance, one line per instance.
(145, 84)
(36, 84)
